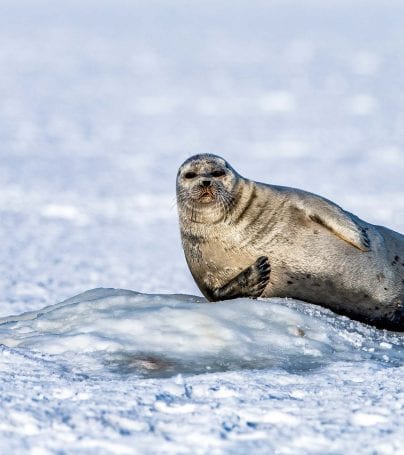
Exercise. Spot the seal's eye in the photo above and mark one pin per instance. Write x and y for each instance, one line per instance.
(218, 173)
(190, 175)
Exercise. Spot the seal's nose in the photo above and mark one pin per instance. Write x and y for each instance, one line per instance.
(206, 183)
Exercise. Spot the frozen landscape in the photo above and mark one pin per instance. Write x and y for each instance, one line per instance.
(101, 102)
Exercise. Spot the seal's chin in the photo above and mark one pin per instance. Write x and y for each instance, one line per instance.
(206, 199)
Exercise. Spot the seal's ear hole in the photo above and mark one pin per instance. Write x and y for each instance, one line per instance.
(190, 175)
(219, 173)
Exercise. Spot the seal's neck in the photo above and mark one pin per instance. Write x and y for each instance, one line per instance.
(244, 195)
(202, 215)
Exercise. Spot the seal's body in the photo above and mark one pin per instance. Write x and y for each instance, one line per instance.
(317, 252)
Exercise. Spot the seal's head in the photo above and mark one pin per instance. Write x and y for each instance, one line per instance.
(205, 185)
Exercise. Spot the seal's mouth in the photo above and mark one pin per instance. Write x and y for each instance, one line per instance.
(206, 195)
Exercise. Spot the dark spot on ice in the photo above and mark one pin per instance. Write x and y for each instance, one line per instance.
(150, 365)
(251, 424)
(385, 289)
(229, 426)
(308, 275)
(366, 296)
(165, 397)
(290, 282)
(396, 259)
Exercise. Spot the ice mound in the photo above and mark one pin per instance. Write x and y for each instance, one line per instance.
(126, 332)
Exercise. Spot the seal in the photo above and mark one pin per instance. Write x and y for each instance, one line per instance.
(249, 239)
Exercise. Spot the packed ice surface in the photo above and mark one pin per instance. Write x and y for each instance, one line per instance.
(100, 103)
(125, 332)
(294, 366)
(244, 375)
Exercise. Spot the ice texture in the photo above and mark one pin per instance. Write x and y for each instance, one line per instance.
(125, 332)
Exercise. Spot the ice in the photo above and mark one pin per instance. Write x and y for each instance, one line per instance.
(125, 332)
(277, 102)
(365, 63)
(362, 104)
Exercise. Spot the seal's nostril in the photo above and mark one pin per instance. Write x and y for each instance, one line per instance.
(206, 183)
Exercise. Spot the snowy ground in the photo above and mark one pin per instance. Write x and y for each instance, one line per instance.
(100, 103)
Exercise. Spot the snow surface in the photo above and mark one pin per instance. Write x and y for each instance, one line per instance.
(95, 365)
(100, 103)
(163, 335)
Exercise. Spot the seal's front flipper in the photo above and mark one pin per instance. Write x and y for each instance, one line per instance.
(341, 223)
(251, 282)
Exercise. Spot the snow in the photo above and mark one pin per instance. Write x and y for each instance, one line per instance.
(101, 102)
(144, 335)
